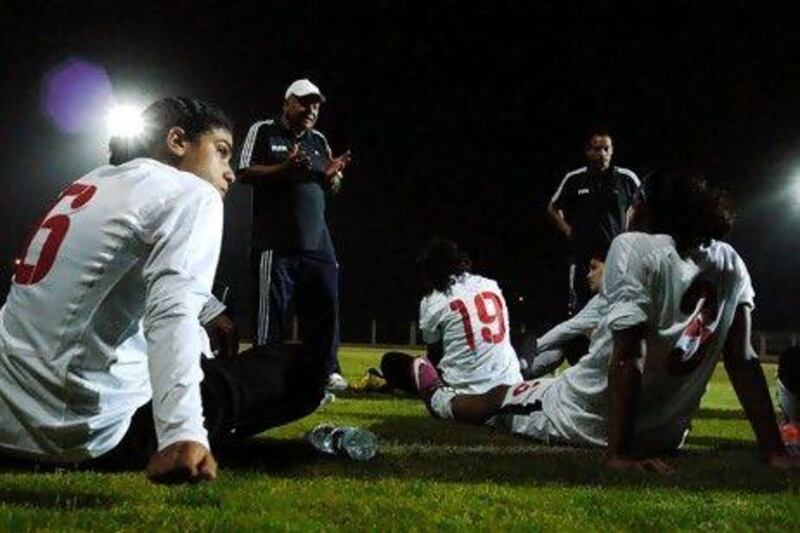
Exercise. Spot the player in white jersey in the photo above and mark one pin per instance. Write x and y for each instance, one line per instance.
(464, 321)
(569, 339)
(100, 338)
(676, 300)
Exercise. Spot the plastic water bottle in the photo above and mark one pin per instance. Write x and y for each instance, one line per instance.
(352, 442)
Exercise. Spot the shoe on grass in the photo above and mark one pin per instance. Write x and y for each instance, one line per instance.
(373, 380)
(328, 398)
(426, 378)
(336, 383)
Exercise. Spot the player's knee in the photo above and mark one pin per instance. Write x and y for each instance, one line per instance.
(495, 397)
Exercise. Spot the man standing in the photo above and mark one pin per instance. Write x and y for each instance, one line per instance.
(590, 208)
(292, 169)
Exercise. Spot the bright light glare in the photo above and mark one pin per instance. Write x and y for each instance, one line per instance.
(124, 121)
(796, 190)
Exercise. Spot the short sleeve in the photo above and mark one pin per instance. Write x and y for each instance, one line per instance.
(633, 187)
(256, 148)
(430, 317)
(626, 287)
(562, 196)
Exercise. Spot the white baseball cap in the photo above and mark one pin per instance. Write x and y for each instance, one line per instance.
(302, 88)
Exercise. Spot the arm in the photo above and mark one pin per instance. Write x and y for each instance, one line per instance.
(747, 377)
(258, 164)
(277, 173)
(628, 217)
(334, 168)
(586, 320)
(557, 216)
(185, 237)
(635, 196)
(627, 290)
(222, 333)
(624, 382)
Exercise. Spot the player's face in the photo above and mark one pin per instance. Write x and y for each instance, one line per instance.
(600, 151)
(595, 276)
(302, 113)
(209, 158)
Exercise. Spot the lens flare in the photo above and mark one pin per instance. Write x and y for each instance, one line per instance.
(124, 121)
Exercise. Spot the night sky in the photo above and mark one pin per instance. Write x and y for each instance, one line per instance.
(462, 119)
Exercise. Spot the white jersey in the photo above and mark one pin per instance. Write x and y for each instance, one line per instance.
(470, 319)
(688, 306)
(103, 313)
(582, 324)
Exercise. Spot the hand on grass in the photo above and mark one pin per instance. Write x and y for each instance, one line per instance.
(182, 462)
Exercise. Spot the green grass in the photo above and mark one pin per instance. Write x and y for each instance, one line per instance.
(429, 475)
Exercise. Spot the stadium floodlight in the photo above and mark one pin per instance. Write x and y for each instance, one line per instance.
(124, 121)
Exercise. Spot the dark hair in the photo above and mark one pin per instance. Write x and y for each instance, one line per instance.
(599, 253)
(682, 204)
(597, 131)
(193, 116)
(438, 262)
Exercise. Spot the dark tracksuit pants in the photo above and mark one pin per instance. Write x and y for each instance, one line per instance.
(579, 293)
(306, 282)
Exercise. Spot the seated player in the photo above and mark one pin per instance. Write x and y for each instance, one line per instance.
(677, 299)
(100, 338)
(464, 322)
(569, 339)
(788, 386)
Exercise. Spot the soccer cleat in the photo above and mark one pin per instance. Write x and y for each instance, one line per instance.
(336, 383)
(373, 380)
(426, 379)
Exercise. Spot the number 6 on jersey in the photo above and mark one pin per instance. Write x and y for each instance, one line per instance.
(53, 227)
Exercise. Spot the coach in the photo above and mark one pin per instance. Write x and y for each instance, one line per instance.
(590, 207)
(292, 171)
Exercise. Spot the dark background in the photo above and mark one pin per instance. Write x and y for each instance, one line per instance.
(462, 119)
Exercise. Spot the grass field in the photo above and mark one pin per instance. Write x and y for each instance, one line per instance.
(429, 475)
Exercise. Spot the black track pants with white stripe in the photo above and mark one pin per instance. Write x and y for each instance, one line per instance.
(303, 282)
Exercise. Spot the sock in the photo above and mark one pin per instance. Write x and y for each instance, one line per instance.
(442, 402)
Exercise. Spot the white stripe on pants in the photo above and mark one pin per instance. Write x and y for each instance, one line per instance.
(264, 283)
